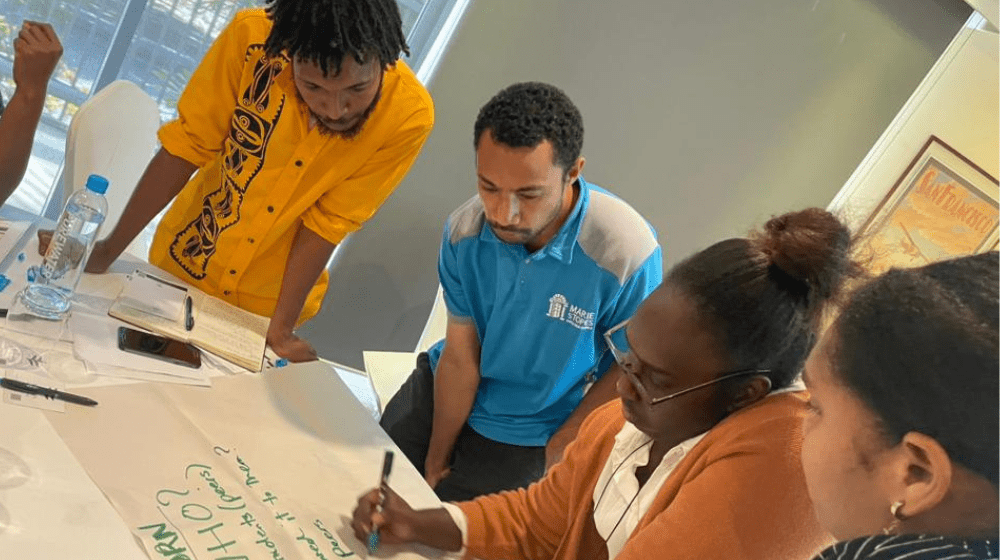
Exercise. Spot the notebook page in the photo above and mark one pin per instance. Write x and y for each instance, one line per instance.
(230, 332)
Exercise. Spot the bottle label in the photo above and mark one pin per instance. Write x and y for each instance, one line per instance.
(56, 246)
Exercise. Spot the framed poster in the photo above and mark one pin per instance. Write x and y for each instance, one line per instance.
(942, 206)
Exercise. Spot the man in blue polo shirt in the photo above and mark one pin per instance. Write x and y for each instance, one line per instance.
(534, 270)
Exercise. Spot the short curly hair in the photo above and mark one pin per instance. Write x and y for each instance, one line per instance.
(525, 114)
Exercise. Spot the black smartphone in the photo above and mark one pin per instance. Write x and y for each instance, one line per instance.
(159, 347)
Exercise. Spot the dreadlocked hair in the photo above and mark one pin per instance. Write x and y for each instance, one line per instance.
(325, 31)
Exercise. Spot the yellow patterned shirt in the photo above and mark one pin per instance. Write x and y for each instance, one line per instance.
(262, 172)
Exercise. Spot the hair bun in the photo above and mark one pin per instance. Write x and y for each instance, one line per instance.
(811, 246)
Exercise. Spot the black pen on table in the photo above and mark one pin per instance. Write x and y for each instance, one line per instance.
(383, 483)
(22, 387)
(188, 313)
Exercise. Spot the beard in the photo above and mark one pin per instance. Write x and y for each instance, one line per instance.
(350, 133)
(524, 236)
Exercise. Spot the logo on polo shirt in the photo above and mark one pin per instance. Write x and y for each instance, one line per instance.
(561, 309)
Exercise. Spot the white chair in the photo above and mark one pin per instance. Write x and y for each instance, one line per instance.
(112, 134)
(389, 370)
(436, 325)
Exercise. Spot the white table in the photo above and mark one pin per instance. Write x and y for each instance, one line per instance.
(57, 512)
(52, 508)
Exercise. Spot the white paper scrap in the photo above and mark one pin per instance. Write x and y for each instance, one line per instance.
(33, 401)
(95, 341)
(150, 295)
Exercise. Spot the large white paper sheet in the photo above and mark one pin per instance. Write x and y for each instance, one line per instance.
(265, 466)
(51, 509)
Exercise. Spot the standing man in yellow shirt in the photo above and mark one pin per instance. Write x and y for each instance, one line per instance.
(300, 121)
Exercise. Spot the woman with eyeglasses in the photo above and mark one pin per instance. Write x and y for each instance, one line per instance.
(902, 442)
(699, 458)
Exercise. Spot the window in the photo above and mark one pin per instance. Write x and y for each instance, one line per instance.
(156, 44)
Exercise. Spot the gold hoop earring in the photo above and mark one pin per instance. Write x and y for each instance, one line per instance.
(897, 517)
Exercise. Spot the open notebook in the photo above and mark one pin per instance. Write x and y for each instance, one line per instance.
(218, 327)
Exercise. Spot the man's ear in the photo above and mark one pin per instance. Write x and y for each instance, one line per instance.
(574, 171)
(925, 472)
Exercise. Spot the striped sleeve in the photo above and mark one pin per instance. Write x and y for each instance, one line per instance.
(907, 547)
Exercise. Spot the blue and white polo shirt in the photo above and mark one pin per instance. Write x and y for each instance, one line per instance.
(541, 316)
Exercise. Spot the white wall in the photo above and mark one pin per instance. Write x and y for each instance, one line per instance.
(707, 116)
(959, 102)
(990, 9)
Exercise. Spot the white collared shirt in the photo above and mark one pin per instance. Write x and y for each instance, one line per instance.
(620, 486)
(617, 497)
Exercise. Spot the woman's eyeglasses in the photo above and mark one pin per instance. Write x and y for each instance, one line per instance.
(627, 362)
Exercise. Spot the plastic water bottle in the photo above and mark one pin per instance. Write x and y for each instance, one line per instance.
(49, 294)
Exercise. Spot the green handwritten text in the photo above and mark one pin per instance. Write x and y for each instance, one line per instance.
(168, 548)
(333, 541)
(250, 478)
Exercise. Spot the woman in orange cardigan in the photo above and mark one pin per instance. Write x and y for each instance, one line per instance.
(700, 456)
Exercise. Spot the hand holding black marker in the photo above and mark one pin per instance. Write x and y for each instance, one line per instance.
(383, 484)
(30, 389)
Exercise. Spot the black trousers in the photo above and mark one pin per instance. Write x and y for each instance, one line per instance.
(478, 466)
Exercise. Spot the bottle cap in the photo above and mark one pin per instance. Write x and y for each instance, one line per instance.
(97, 184)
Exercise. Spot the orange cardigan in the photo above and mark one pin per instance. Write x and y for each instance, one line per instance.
(738, 494)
